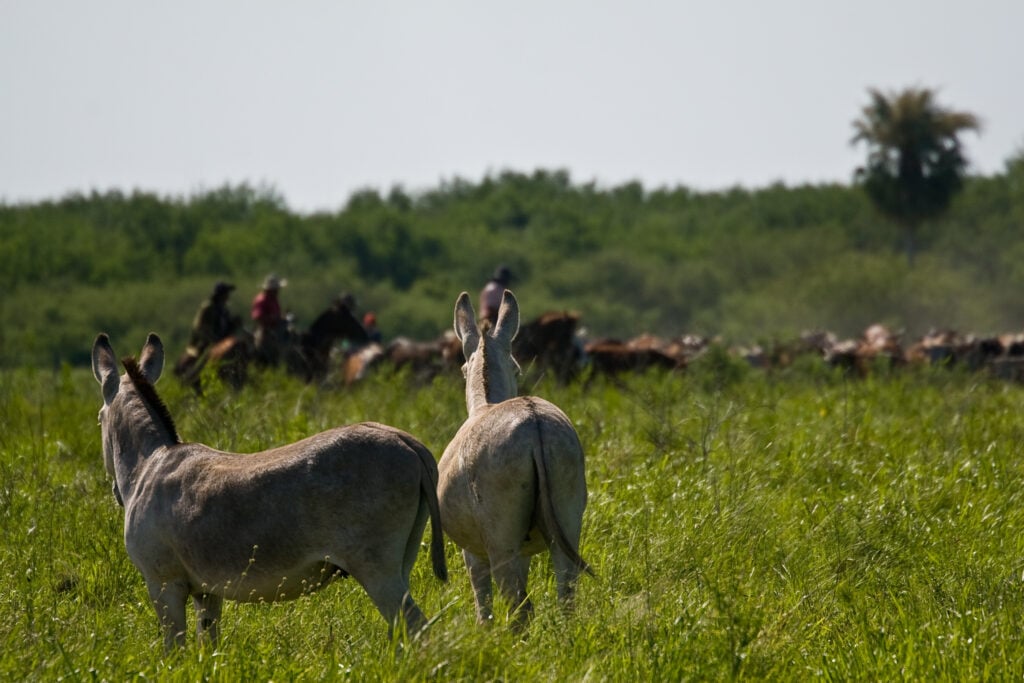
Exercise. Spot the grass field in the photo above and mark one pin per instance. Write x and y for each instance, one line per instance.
(786, 526)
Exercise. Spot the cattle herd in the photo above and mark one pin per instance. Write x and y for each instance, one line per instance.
(553, 345)
(879, 347)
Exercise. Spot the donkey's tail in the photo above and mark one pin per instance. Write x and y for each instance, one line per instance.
(547, 511)
(428, 484)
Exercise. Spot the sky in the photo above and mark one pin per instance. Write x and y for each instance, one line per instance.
(318, 100)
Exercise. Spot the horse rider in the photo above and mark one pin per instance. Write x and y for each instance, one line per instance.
(271, 326)
(213, 321)
(490, 295)
(370, 325)
(322, 324)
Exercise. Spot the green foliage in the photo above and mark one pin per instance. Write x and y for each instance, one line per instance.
(742, 264)
(773, 527)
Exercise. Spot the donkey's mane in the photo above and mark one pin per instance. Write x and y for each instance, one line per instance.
(485, 374)
(149, 395)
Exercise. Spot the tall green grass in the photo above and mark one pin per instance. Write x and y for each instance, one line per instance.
(797, 525)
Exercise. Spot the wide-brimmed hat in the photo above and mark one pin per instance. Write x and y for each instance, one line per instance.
(502, 274)
(347, 299)
(274, 282)
(222, 288)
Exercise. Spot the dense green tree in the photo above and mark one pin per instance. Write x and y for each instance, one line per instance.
(915, 162)
(742, 264)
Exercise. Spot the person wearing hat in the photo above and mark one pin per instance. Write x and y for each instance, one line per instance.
(213, 321)
(271, 326)
(490, 296)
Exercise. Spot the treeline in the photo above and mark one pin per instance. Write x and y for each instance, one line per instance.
(746, 265)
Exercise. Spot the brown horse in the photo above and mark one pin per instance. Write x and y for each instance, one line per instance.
(306, 354)
(230, 356)
(309, 355)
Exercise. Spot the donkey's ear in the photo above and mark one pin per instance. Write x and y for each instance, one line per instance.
(151, 360)
(104, 367)
(508, 318)
(465, 325)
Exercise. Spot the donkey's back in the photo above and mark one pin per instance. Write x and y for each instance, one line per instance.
(289, 519)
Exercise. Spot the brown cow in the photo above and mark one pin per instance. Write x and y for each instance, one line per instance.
(683, 348)
(548, 344)
(860, 355)
(424, 359)
(611, 357)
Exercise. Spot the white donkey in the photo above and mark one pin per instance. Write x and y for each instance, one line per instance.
(267, 526)
(511, 481)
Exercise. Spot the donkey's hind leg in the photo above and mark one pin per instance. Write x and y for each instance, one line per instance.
(208, 609)
(169, 602)
(390, 594)
(510, 573)
(480, 577)
(567, 572)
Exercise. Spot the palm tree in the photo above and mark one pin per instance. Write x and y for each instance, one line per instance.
(915, 164)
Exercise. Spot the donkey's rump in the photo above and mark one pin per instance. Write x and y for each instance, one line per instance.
(492, 480)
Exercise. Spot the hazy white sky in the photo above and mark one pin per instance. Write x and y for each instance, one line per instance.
(319, 99)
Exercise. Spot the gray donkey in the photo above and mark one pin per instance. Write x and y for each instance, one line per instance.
(511, 481)
(268, 526)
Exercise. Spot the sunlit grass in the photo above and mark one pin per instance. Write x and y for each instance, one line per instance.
(766, 526)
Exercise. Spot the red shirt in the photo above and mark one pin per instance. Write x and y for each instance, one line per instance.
(266, 309)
